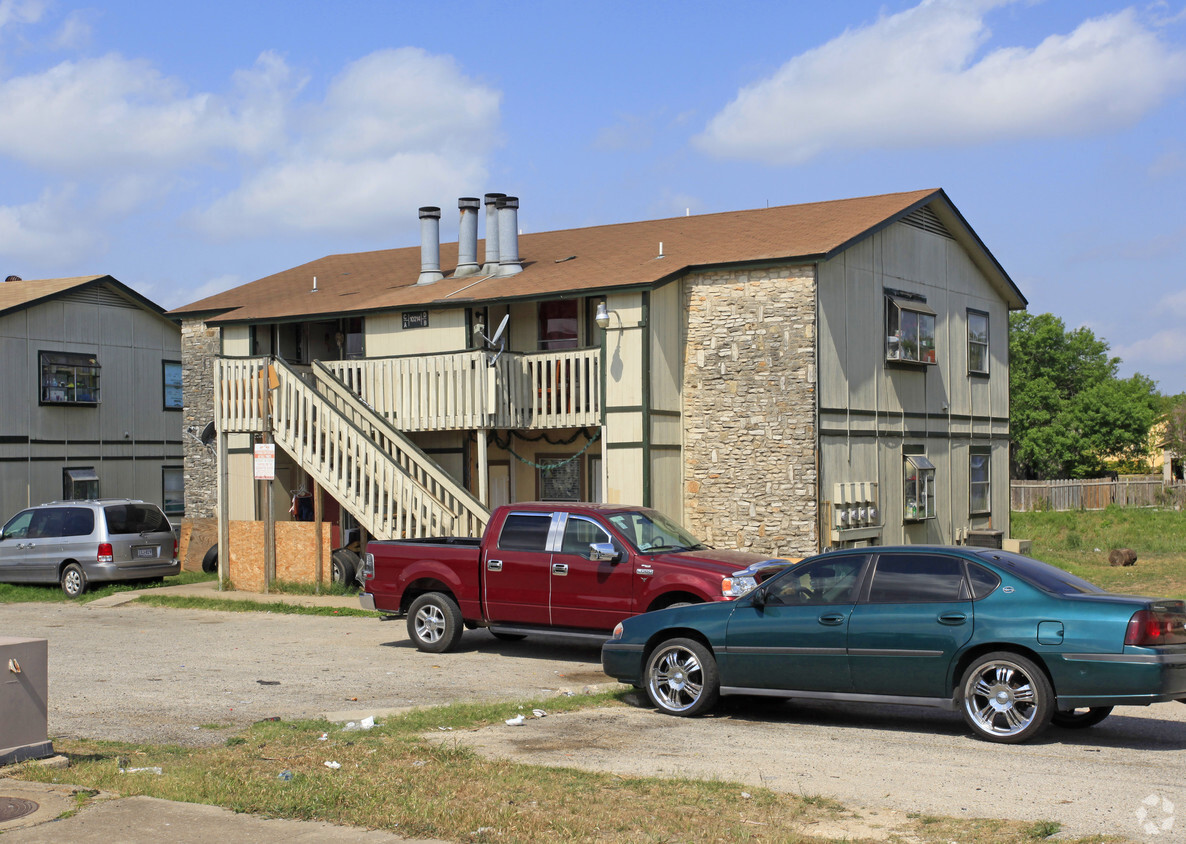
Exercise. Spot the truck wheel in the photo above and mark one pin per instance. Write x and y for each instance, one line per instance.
(343, 565)
(434, 622)
(210, 559)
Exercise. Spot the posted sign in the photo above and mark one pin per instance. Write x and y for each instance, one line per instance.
(265, 461)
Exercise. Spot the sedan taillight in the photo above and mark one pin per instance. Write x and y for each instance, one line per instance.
(1152, 628)
(105, 553)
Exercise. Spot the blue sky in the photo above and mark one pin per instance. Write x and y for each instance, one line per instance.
(188, 148)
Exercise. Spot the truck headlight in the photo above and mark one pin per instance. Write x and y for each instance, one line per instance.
(738, 585)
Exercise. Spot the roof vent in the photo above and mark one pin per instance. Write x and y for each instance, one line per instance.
(467, 238)
(13, 278)
(491, 265)
(508, 236)
(430, 245)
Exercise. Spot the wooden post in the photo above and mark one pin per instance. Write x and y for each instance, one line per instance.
(483, 470)
(319, 555)
(224, 512)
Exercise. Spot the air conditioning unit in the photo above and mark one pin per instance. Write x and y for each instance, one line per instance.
(24, 684)
(985, 538)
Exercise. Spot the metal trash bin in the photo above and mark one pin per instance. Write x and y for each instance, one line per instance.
(24, 700)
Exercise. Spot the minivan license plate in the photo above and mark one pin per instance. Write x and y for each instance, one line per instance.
(146, 552)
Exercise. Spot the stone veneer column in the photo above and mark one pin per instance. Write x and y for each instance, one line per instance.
(749, 410)
(199, 346)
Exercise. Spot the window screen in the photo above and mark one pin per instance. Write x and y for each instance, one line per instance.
(525, 532)
(913, 579)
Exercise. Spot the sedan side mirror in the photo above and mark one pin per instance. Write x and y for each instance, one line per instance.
(604, 552)
(757, 599)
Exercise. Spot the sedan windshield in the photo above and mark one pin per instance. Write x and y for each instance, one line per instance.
(1046, 577)
(650, 532)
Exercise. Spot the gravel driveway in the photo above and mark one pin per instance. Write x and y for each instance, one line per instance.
(145, 674)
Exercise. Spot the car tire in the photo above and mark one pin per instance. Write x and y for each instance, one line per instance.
(210, 559)
(343, 565)
(1006, 698)
(434, 623)
(73, 580)
(1080, 719)
(681, 678)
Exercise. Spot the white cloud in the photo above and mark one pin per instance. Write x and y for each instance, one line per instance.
(48, 226)
(1175, 304)
(21, 11)
(1164, 347)
(75, 32)
(397, 129)
(116, 112)
(918, 79)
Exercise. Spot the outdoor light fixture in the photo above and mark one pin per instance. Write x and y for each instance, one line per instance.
(601, 317)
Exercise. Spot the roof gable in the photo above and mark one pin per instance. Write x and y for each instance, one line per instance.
(18, 295)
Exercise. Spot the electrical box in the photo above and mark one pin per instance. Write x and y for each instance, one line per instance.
(24, 700)
(856, 513)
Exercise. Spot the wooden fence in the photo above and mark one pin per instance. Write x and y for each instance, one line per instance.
(1096, 494)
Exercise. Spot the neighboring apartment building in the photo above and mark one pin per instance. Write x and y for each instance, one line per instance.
(92, 395)
(782, 379)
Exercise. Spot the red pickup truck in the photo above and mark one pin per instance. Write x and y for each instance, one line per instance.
(544, 567)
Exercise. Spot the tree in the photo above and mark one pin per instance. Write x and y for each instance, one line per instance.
(1069, 412)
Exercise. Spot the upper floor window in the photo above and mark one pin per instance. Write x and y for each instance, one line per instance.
(172, 385)
(918, 487)
(978, 342)
(910, 330)
(69, 378)
(979, 464)
(558, 325)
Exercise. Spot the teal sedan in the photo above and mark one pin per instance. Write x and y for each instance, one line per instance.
(1011, 642)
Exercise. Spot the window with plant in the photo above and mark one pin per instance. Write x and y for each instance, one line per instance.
(918, 488)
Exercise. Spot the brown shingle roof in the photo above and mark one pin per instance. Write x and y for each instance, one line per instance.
(21, 294)
(619, 255)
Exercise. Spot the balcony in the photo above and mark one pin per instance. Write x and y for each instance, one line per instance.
(457, 391)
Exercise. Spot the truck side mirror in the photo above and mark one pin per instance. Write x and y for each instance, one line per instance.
(603, 552)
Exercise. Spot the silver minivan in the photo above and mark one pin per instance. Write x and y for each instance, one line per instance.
(74, 543)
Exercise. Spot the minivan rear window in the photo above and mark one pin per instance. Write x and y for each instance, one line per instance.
(135, 518)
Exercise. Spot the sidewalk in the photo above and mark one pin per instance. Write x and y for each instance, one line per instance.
(209, 589)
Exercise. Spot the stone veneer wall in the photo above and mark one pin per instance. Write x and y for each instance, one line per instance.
(750, 471)
(199, 346)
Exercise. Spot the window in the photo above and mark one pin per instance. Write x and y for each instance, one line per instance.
(525, 532)
(915, 579)
(579, 534)
(558, 325)
(80, 483)
(650, 530)
(831, 581)
(69, 378)
(559, 479)
(918, 490)
(172, 382)
(983, 581)
(135, 518)
(173, 489)
(978, 342)
(910, 331)
(979, 463)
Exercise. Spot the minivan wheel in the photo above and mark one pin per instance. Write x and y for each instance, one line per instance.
(210, 559)
(434, 622)
(1006, 698)
(73, 580)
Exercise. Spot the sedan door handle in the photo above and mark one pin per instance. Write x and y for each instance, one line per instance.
(831, 619)
(953, 618)
(560, 569)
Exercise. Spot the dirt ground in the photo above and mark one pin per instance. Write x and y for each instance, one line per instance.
(192, 677)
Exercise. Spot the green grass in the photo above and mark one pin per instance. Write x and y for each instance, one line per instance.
(393, 778)
(13, 593)
(188, 602)
(1070, 540)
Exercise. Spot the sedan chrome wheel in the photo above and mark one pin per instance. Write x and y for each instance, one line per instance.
(681, 677)
(1006, 698)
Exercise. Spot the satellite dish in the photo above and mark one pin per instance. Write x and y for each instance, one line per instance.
(207, 435)
(501, 328)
